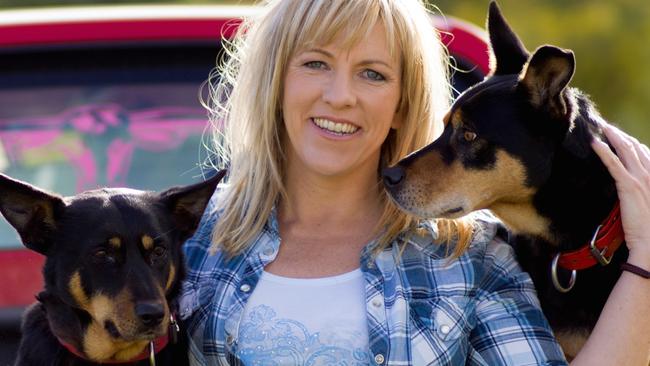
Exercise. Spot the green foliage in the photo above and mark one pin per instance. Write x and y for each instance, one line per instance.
(610, 40)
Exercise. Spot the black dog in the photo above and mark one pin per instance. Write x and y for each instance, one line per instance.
(112, 272)
(518, 143)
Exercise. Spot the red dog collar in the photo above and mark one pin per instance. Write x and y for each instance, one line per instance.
(158, 344)
(608, 238)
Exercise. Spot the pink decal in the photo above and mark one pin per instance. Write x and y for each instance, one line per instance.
(84, 164)
(119, 160)
(67, 137)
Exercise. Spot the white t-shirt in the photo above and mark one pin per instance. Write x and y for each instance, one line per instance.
(294, 321)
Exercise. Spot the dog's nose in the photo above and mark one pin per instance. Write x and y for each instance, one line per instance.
(150, 313)
(393, 175)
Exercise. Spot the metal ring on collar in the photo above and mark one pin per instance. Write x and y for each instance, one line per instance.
(556, 280)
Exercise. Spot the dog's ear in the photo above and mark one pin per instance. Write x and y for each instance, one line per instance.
(31, 211)
(188, 203)
(546, 76)
(507, 53)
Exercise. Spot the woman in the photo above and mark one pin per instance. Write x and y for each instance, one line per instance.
(302, 259)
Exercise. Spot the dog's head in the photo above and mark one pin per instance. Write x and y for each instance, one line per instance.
(113, 259)
(499, 137)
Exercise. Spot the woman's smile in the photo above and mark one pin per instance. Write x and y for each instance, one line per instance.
(336, 128)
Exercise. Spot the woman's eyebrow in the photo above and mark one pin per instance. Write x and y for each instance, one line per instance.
(363, 62)
(319, 50)
(374, 61)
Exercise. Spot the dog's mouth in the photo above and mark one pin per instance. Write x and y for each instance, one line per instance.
(452, 211)
(144, 334)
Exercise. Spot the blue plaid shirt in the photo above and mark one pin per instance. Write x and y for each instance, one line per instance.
(422, 308)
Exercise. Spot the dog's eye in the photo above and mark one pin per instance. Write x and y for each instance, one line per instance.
(103, 256)
(158, 251)
(469, 136)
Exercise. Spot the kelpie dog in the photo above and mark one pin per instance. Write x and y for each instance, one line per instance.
(112, 271)
(518, 143)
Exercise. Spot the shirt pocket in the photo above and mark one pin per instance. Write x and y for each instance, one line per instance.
(193, 296)
(444, 324)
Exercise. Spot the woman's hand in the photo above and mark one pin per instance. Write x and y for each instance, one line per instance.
(630, 168)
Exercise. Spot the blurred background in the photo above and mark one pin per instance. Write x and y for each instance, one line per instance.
(610, 39)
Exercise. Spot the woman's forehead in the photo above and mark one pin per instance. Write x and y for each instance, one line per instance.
(350, 37)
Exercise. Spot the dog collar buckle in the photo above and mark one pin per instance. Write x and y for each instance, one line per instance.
(607, 238)
(599, 254)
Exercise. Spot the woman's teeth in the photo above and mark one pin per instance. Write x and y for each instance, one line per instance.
(335, 127)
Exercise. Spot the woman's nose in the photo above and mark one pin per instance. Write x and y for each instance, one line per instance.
(338, 92)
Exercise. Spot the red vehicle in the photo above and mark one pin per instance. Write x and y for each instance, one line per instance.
(109, 96)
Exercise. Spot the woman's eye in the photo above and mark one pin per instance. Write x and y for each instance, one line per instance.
(315, 64)
(373, 75)
(469, 136)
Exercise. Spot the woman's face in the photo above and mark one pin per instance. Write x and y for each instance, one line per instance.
(339, 105)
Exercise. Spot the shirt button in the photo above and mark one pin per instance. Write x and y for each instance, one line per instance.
(370, 265)
(379, 359)
(376, 302)
(268, 251)
(230, 339)
(245, 287)
(444, 329)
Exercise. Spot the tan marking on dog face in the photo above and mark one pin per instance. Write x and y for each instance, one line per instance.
(147, 242)
(457, 119)
(571, 342)
(77, 291)
(171, 277)
(433, 189)
(115, 242)
(99, 346)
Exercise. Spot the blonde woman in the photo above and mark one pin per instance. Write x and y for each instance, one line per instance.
(301, 259)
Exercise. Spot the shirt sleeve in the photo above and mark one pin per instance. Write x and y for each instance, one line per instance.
(511, 328)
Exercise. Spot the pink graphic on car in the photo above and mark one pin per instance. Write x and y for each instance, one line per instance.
(98, 139)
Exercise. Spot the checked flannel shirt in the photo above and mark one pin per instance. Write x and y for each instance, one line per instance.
(479, 309)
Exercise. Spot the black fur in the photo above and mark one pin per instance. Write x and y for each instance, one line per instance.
(96, 240)
(526, 110)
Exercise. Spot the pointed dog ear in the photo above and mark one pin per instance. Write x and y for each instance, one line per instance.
(188, 203)
(507, 53)
(31, 211)
(546, 76)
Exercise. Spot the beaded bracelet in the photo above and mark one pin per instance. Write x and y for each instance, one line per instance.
(636, 270)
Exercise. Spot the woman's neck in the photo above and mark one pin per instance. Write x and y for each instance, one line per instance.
(322, 201)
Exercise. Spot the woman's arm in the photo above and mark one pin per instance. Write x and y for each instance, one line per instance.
(622, 334)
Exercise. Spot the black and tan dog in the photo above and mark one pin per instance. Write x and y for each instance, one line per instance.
(518, 143)
(112, 271)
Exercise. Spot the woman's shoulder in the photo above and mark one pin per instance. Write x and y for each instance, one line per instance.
(201, 241)
(488, 261)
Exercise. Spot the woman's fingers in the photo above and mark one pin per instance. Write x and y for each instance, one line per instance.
(644, 155)
(611, 161)
(630, 168)
(626, 149)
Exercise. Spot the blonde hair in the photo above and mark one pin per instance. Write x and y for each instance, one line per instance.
(246, 104)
